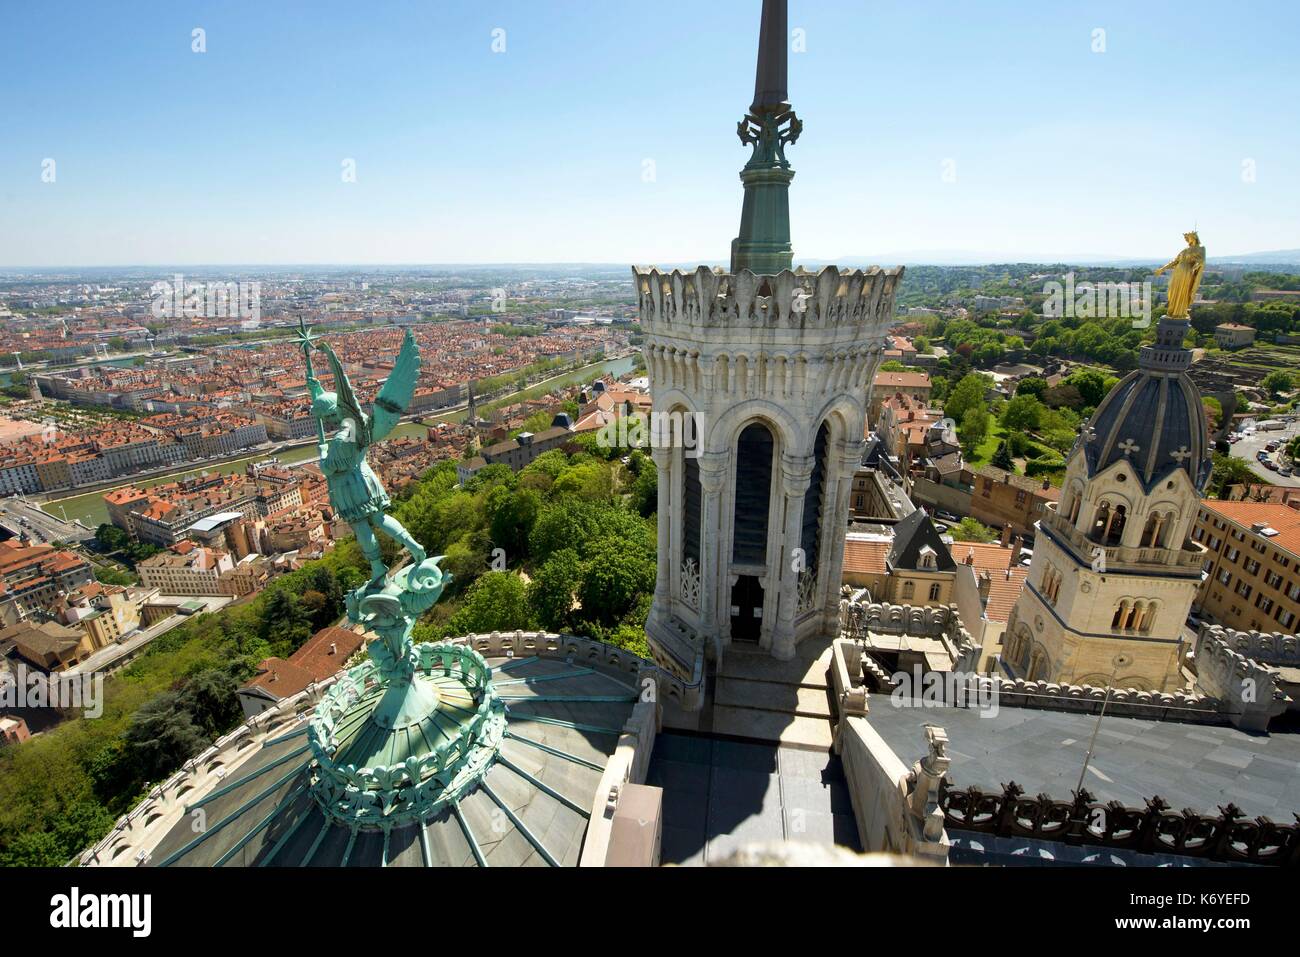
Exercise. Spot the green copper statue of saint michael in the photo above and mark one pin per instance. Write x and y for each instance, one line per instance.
(356, 493)
(434, 727)
(386, 607)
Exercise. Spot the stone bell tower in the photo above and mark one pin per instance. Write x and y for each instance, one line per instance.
(759, 378)
(1115, 570)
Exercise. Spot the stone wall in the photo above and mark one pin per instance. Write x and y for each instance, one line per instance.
(896, 810)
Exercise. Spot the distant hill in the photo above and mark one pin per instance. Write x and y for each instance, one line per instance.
(951, 257)
(1278, 257)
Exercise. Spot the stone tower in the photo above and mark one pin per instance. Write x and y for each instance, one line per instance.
(759, 380)
(1114, 570)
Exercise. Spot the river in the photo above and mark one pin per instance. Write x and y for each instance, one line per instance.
(90, 508)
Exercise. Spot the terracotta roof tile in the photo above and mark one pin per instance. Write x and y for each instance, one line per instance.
(1284, 519)
(865, 557)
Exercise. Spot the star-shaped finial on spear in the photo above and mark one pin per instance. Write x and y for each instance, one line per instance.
(305, 340)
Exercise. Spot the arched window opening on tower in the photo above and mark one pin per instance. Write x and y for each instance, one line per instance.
(1134, 615)
(1108, 526)
(1156, 532)
(1051, 584)
(754, 451)
(1076, 502)
(810, 538)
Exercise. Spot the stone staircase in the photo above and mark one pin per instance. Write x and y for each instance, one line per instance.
(783, 702)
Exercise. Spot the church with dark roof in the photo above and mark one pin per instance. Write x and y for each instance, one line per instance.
(1116, 570)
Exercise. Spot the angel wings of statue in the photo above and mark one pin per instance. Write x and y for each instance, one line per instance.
(355, 491)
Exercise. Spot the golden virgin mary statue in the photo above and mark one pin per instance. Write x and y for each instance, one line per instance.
(1188, 266)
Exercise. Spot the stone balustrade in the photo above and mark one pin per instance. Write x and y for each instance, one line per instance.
(1187, 559)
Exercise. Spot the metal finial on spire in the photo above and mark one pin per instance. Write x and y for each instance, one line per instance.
(763, 245)
(770, 95)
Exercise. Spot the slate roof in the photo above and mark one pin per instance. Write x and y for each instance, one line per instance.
(914, 533)
(1195, 766)
(876, 456)
(1153, 417)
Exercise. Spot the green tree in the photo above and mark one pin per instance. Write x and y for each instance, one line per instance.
(613, 578)
(1227, 471)
(645, 492)
(1002, 458)
(513, 514)
(497, 601)
(1032, 385)
(163, 736)
(211, 699)
(590, 480)
(285, 623)
(577, 524)
(110, 538)
(974, 428)
(966, 394)
(1277, 382)
(1092, 385)
(972, 530)
(551, 594)
(1022, 414)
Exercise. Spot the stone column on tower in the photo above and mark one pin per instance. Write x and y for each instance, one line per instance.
(713, 475)
(796, 475)
(662, 458)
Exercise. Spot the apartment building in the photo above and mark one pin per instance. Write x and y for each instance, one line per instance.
(186, 569)
(914, 385)
(909, 564)
(1253, 566)
(1233, 335)
(34, 577)
(1000, 498)
(521, 450)
(903, 424)
(18, 475)
(286, 420)
(164, 515)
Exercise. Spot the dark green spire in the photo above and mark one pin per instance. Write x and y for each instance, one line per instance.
(763, 245)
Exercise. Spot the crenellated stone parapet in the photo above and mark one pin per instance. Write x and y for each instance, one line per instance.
(850, 667)
(858, 618)
(1127, 702)
(1266, 647)
(1250, 689)
(858, 302)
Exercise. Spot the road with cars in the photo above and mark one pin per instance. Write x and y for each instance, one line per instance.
(23, 517)
(1249, 447)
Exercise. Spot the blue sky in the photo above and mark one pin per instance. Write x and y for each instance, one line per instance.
(539, 153)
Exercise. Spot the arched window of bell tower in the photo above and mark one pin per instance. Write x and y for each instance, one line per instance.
(755, 449)
(1108, 526)
(810, 537)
